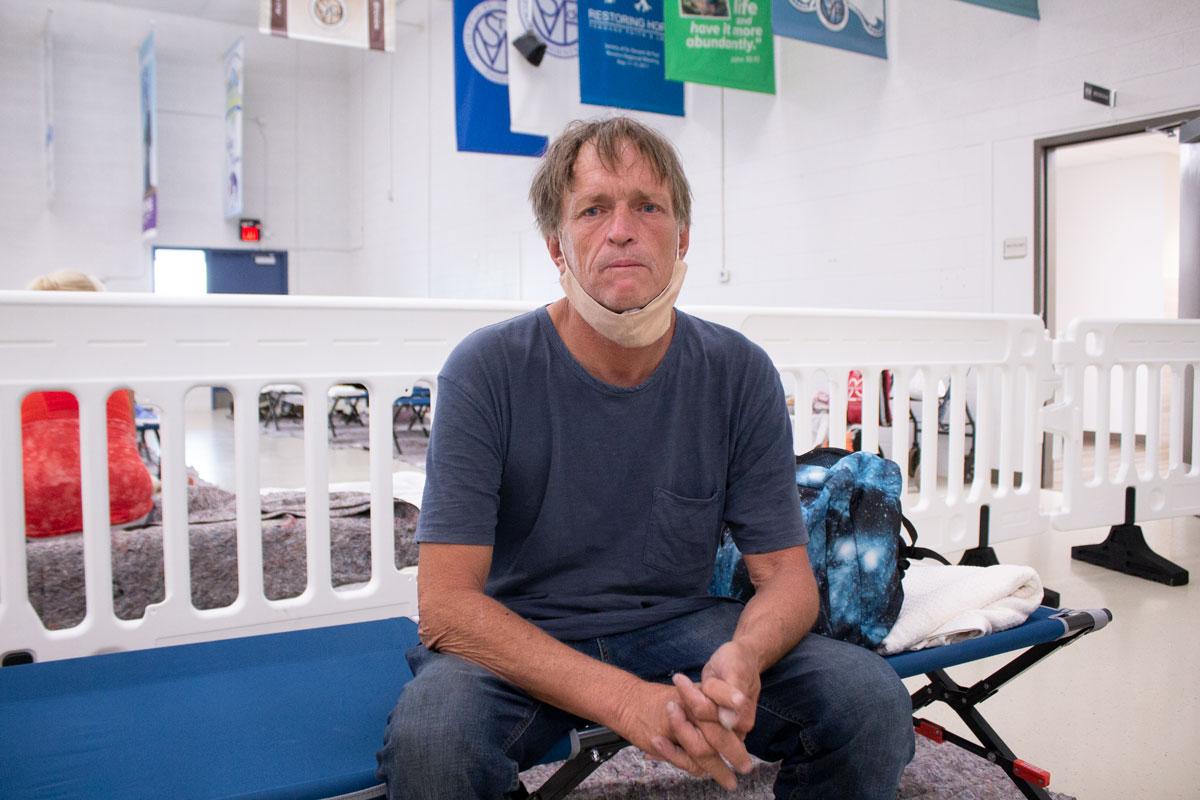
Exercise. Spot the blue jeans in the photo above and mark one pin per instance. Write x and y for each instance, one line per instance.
(835, 714)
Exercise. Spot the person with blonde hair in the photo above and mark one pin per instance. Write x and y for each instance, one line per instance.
(66, 280)
(50, 447)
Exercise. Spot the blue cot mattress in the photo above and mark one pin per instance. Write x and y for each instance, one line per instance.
(297, 714)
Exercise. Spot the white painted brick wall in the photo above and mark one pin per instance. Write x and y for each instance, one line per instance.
(862, 183)
(303, 170)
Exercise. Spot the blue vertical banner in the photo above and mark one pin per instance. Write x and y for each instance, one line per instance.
(621, 57)
(855, 25)
(481, 82)
(1026, 8)
(148, 83)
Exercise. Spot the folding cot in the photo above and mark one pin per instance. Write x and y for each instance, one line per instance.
(300, 714)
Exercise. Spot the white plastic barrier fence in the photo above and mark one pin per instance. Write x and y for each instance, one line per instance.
(92, 344)
(997, 366)
(992, 370)
(1128, 378)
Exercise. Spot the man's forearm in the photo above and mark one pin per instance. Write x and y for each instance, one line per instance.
(782, 610)
(471, 625)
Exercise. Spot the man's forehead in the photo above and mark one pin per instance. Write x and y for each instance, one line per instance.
(630, 163)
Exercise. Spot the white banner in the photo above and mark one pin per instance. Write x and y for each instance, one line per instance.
(370, 24)
(235, 60)
(545, 98)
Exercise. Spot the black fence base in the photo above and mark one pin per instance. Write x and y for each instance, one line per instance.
(1125, 550)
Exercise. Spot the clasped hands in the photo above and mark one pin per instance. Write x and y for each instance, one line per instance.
(701, 728)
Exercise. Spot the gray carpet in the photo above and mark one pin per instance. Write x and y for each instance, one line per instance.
(938, 772)
(55, 564)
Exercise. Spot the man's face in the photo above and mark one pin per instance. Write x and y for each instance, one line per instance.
(618, 230)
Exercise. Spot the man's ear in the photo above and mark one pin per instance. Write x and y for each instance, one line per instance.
(554, 246)
(685, 236)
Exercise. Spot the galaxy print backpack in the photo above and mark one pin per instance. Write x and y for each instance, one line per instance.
(851, 504)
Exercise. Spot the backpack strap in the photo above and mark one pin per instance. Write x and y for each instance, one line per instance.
(911, 551)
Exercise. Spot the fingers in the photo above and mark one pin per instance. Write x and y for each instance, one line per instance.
(720, 738)
(717, 701)
(737, 711)
(697, 746)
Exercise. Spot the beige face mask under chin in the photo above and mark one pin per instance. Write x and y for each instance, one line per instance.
(637, 327)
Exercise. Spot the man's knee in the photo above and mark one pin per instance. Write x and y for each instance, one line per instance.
(441, 734)
(841, 694)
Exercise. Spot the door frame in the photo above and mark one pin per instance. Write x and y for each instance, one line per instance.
(1043, 259)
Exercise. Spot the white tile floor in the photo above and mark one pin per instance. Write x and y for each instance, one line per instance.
(1115, 715)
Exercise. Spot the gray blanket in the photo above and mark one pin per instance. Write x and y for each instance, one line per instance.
(56, 584)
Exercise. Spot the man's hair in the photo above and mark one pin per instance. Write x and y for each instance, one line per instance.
(553, 179)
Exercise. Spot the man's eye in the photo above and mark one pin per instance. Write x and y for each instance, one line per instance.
(590, 212)
(651, 208)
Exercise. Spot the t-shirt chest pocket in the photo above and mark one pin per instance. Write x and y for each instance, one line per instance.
(682, 533)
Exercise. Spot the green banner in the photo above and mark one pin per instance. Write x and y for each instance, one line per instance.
(721, 42)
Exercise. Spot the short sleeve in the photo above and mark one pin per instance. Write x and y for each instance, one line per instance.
(463, 469)
(762, 506)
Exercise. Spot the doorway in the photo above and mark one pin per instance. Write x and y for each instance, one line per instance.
(1117, 233)
(190, 272)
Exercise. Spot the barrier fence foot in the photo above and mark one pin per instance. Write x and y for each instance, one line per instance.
(1125, 550)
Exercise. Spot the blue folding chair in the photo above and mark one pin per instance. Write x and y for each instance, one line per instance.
(417, 402)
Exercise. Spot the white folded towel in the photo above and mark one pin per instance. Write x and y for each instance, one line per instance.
(948, 604)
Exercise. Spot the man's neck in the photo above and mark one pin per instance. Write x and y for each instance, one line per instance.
(604, 359)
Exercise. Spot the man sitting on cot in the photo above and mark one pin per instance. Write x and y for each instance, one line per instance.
(585, 459)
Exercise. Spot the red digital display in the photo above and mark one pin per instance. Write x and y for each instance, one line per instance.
(251, 230)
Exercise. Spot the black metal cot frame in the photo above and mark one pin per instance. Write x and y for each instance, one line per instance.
(591, 747)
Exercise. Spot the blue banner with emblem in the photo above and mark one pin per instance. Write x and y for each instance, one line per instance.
(621, 57)
(481, 82)
(856, 25)
(1026, 8)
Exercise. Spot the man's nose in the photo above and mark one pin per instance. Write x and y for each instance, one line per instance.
(622, 228)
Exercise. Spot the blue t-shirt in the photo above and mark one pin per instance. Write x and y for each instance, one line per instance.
(605, 505)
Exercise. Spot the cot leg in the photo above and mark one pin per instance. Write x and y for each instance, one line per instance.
(596, 745)
(1125, 550)
(991, 746)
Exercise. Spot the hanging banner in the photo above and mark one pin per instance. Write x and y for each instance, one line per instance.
(235, 59)
(48, 105)
(147, 69)
(721, 42)
(1026, 8)
(370, 24)
(481, 58)
(856, 25)
(621, 57)
(542, 99)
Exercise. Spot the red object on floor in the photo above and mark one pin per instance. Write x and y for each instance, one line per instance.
(51, 466)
